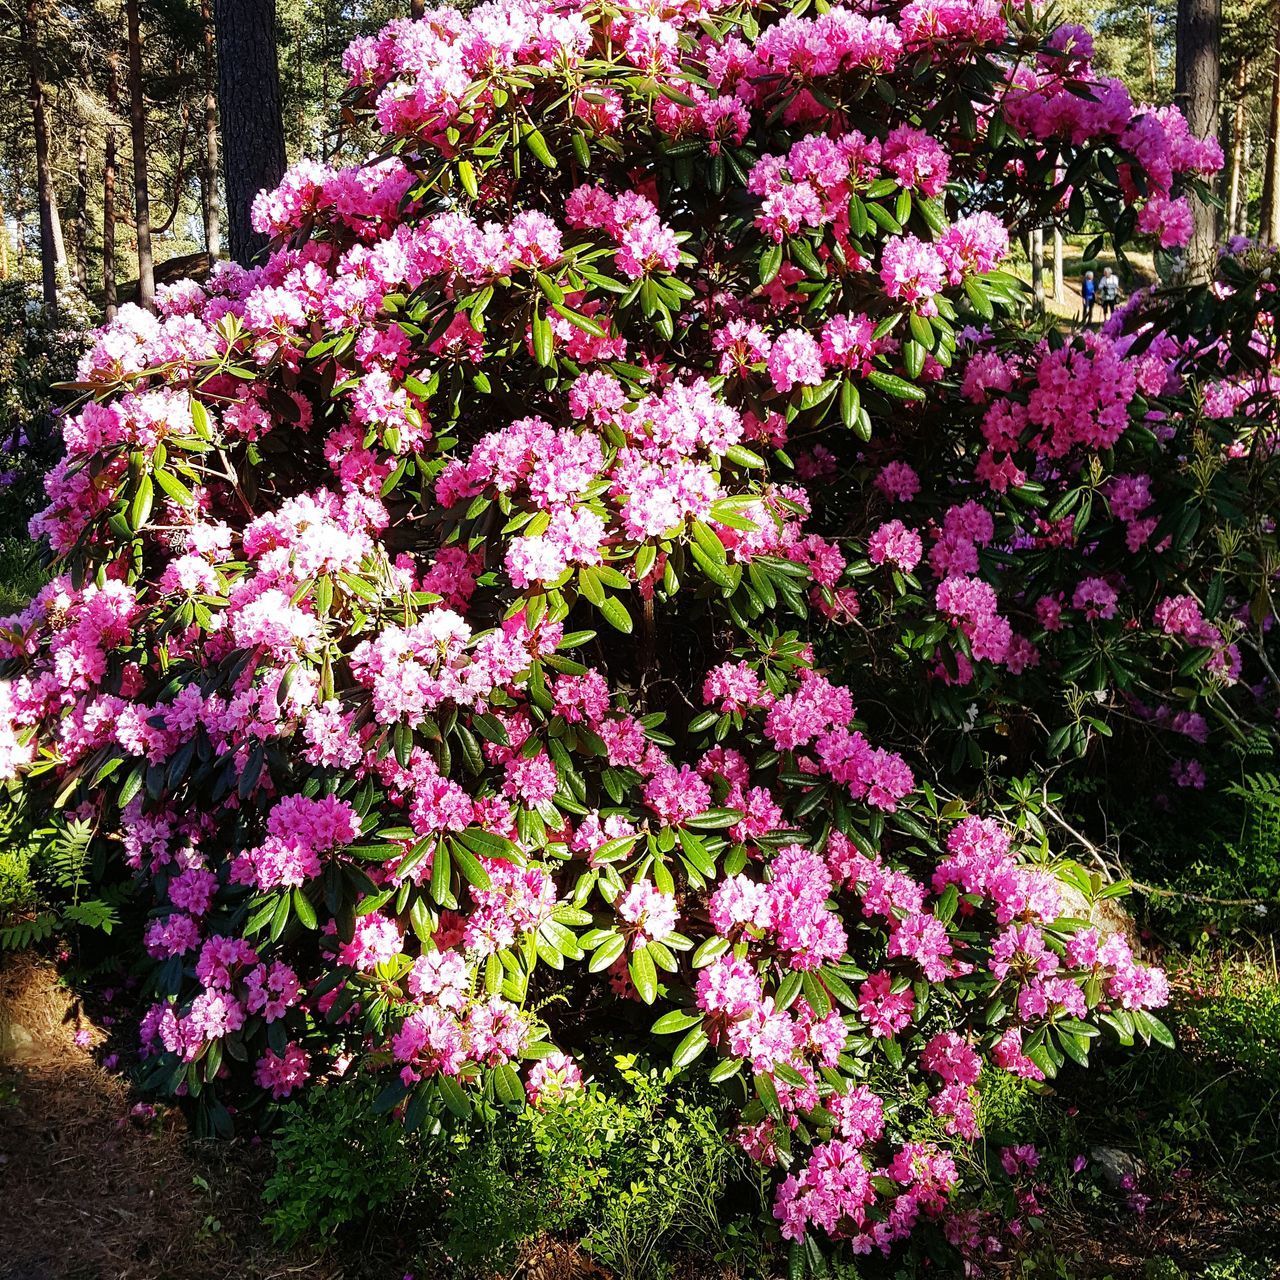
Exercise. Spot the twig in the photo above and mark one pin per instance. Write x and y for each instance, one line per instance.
(1083, 840)
(1200, 897)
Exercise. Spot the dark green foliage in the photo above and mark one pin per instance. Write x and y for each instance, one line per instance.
(333, 1168)
(637, 1169)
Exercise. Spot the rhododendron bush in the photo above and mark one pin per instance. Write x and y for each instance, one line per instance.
(464, 616)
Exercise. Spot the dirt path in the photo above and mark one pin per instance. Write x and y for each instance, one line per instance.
(93, 1187)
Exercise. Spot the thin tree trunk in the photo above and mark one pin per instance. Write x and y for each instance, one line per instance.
(50, 233)
(249, 104)
(4, 241)
(80, 239)
(1037, 270)
(1059, 283)
(141, 190)
(1235, 172)
(1153, 86)
(1198, 93)
(1241, 225)
(209, 180)
(1269, 222)
(109, 187)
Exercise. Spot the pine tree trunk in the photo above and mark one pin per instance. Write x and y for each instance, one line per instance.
(109, 188)
(138, 133)
(1037, 270)
(4, 242)
(1269, 222)
(1241, 225)
(80, 263)
(1153, 86)
(249, 103)
(1235, 169)
(1198, 93)
(209, 177)
(50, 232)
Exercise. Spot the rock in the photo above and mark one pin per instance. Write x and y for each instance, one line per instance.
(16, 1042)
(1116, 1166)
(1107, 914)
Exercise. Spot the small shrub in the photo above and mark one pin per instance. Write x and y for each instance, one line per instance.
(333, 1169)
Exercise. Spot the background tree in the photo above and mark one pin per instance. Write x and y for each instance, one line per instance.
(1197, 91)
(249, 97)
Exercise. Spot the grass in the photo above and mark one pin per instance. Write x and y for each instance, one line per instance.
(21, 575)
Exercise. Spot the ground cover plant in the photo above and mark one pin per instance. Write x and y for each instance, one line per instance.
(611, 581)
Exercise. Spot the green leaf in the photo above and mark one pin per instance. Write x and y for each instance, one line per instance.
(607, 952)
(472, 872)
(770, 263)
(690, 1048)
(542, 339)
(894, 386)
(615, 614)
(140, 507)
(303, 909)
(644, 975)
(489, 844)
(676, 1020)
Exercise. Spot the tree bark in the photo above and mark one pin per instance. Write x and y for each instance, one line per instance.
(1269, 222)
(1241, 225)
(209, 178)
(1197, 90)
(109, 187)
(51, 251)
(141, 189)
(1153, 86)
(1037, 270)
(417, 8)
(4, 242)
(80, 237)
(1235, 167)
(249, 103)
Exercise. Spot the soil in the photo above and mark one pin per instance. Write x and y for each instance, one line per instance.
(94, 1187)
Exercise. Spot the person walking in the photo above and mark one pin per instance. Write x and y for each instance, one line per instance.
(1088, 291)
(1108, 292)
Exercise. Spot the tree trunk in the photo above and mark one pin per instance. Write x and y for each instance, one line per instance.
(1241, 225)
(249, 102)
(209, 177)
(1153, 86)
(1198, 92)
(417, 8)
(1235, 166)
(1269, 222)
(109, 187)
(1059, 283)
(4, 242)
(80, 239)
(51, 251)
(138, 133)
(1037, 270)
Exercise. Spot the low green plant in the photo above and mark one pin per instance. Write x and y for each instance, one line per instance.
(638, 1173)
(1237, 1020)
(334, 1169)
(50, 879)
(21, 573)
(637, 1168)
